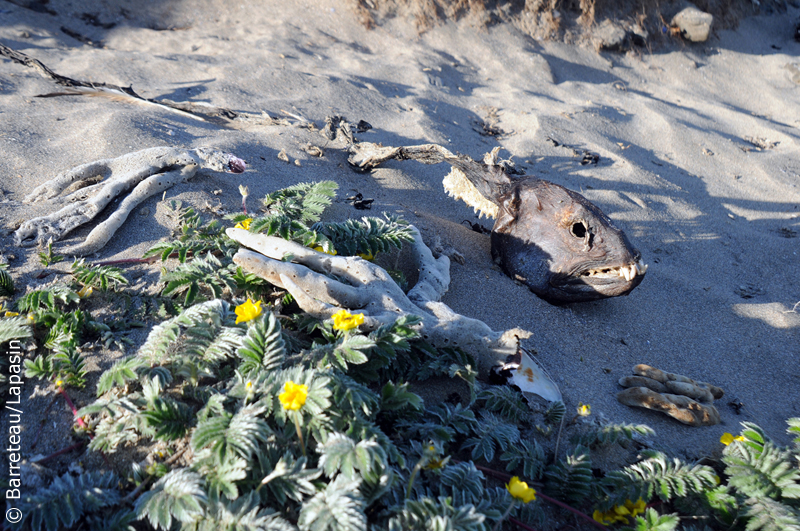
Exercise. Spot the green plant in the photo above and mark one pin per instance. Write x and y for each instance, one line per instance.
(6, 282)
(195, 236)
(354, 446)
(48, 258)
(100, 276)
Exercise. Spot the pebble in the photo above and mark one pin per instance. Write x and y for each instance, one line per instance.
(693, 24)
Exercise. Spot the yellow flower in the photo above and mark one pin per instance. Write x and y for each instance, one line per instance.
(620, 513)
(608, 517)
(343, 320)
(630, 508)
(584, 410)
(366, 256)
(247, 311)
(244, 224)
(319, 249)
(59, 383)
(85, 291)
(294, 396)
(728, 438)
(11, 314)
(249, 384)
(520, 490)
(435, 463)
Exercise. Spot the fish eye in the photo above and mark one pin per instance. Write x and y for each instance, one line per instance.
(579, 229)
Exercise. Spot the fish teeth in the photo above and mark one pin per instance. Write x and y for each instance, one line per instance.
(630, 272)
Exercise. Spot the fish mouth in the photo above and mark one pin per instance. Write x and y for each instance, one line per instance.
(627, 271)
(596, 283)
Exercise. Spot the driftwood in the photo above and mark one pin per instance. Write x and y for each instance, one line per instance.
(195, 110)
(682, 398)
(145, 172)
(367, 288)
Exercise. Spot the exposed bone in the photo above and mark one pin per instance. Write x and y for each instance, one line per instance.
(147, 172)
(368, 289)
(682, 398)
(474, 191)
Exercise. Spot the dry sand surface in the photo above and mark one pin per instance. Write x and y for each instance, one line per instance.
(715, 217)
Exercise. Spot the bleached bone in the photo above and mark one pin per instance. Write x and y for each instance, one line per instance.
(367, 288)
(147, 172)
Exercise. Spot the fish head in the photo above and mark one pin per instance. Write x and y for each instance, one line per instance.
(561, 246)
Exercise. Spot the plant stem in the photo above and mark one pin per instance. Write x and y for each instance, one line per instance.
(300, 434)
(505, 515)
(558, 439)
(519, 524)
(411, 479)
(72, 407)
(61, 452)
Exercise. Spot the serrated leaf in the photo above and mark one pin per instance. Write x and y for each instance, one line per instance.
(339, 507)
(179, 495)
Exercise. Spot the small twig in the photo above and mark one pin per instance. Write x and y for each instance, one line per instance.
(44, 273)
(129, 498)
(130, 261)
(295, 116)
(519, 524)
(135, 492)
(62, 451)
(175, 457)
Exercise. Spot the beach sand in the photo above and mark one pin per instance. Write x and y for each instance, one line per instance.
(716, 218)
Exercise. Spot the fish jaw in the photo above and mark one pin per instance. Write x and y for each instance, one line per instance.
(562, 246)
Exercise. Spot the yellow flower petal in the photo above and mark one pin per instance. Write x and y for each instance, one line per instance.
(601, 517)
(638, 507)
(520, 490)
(244, 224)
(319, 249)
(294, 396)
(726, 438)
(85, 291)
(247, 311)
(584, 410)
(366, 256)
(621, 510)
(344, 320)
(11, 314)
